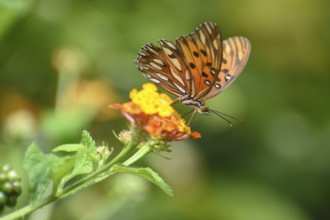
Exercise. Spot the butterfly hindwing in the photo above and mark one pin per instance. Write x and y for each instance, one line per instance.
(236, 51)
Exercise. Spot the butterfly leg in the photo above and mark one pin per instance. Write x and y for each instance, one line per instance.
(175, 101)
(193, 114)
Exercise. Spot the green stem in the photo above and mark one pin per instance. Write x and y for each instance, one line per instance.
(88, 180)
(146, 149)
(98, 175)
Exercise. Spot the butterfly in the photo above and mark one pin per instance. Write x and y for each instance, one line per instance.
(197, 67)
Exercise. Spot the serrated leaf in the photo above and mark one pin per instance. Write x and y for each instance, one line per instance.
(146, 173)
(39, 167)
(85, 154)
(83, 164)
(88, 141)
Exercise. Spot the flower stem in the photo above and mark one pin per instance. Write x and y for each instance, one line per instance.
(93, 178)
(146, 149)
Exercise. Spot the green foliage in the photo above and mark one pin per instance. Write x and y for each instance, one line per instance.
(39, 167)
(65, 163)
(84, 155)
(147, 173)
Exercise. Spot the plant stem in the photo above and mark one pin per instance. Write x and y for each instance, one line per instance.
(83, 183)
(146, 149)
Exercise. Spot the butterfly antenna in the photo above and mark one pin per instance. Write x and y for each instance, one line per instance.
(219, 114)
(229, 116)
(223, 115)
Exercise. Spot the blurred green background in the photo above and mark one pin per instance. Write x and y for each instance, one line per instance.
(63, 61)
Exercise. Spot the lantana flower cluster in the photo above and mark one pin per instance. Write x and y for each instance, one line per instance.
(152, 112)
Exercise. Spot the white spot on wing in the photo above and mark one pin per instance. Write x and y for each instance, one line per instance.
(193, 92)
(152, 50)
(176, 63)
(215, 44)
(144, 68)
(227, 77)
(208, 28)
(180, 88)
(167, 51)
(207, 82)
(202, 37)
(155, 65)
(162, 76)
(158, 61)
(177, 77)
(187, 74)
(170, 44)
(154, 80)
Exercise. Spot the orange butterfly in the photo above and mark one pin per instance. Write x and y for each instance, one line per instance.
(199, 66)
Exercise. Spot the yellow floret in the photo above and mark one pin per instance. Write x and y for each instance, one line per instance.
(151, 102)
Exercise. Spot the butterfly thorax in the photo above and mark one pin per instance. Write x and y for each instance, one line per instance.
(197, 104)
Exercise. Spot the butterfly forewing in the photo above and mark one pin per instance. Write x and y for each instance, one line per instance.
(202, 51)
(236, 51)
(164, 66)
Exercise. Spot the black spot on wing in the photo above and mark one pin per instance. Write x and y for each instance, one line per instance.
(192, 66)
(204, 52)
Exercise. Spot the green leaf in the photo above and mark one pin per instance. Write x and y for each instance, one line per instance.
(84, 154)
(83, 164)
(62, 168)
(68, 148)
(88, 141)
(146, 173)
(39, 167)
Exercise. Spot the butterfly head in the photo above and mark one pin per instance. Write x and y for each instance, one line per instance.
(204, 110)
(198, 104)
